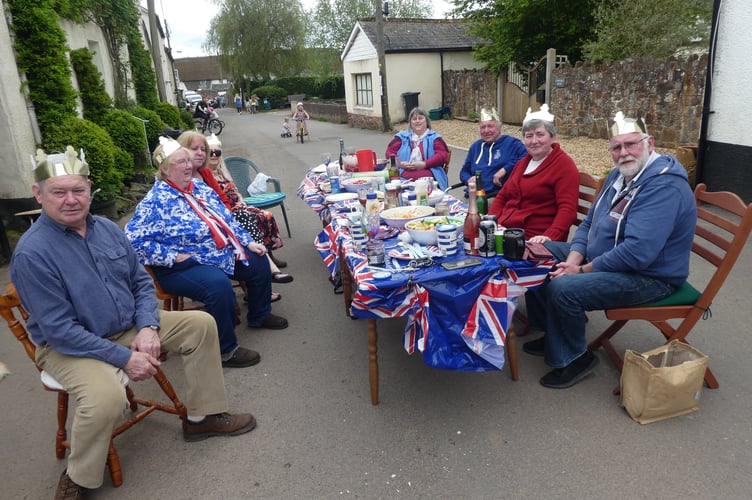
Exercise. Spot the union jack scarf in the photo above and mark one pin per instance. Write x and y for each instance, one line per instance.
(221, 232)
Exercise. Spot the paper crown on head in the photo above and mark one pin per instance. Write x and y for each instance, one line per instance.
(167, 146)
(623, 125)
(214, 141)
(487, 114)
(57, 164)
(541, 114)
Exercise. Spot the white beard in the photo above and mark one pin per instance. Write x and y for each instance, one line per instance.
(631, 170)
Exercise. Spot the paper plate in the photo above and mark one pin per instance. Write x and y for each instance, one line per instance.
(321, 169)
(333, 198)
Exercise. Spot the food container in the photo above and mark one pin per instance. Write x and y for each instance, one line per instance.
(399, 216)
(423, 230)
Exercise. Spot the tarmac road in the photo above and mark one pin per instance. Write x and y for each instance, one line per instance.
(435, 434)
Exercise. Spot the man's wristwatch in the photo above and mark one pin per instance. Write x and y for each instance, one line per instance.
(156, 327)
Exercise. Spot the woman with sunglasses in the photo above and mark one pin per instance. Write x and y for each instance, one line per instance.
(263, 228)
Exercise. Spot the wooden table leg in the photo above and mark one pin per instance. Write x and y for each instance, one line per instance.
(512, 352)
(373, 361)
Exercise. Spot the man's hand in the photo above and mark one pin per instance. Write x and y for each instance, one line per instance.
(498, 176)
(141, 366)
(147, 341)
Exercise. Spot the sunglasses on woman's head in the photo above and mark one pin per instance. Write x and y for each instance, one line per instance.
(216, 153)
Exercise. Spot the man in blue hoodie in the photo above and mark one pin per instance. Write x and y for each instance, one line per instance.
(632, 248)
(494, 154)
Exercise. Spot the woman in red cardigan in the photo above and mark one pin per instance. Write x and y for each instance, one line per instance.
(542, 191)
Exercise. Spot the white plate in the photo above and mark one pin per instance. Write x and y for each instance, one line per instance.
(333, 198)
(321, 169)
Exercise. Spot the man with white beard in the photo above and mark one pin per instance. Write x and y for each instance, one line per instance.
(632, 248)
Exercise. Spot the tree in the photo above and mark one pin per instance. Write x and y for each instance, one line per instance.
(648, 28)
(522, 30)
(258, 38)
(330, 22)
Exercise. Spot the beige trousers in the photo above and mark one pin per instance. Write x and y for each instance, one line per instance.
(100, 396)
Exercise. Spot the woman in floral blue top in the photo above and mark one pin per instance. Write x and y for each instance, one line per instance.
(192, 242)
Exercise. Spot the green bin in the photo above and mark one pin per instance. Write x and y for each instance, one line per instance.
(434, 114)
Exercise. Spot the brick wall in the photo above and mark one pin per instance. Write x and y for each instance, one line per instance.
(331, 112)
(669, 94)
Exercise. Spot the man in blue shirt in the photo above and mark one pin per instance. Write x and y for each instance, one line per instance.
(94, 319)
(494, 154)
(633, 247)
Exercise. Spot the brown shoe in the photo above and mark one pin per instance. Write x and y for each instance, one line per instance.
(68, 490)
(242, 358)
(221, 424)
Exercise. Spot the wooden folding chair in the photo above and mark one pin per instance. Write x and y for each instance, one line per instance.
(723, 226)
(16, 316)
(590, 188)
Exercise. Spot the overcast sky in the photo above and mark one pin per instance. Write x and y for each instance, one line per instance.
(187, 34)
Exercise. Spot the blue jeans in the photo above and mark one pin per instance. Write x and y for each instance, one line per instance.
(211, 286)
(560, 304)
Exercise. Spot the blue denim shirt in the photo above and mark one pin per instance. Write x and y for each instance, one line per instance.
(80, 290)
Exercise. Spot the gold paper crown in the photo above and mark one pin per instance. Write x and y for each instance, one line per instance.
(541, 114)
(167, 146)
(214, 141)
(487, 114)
(623, 125)
(57, 164)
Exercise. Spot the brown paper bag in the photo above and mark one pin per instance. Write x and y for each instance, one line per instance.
(662, 383)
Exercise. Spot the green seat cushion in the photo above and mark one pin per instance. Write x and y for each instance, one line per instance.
(685, 295)
(265, 199)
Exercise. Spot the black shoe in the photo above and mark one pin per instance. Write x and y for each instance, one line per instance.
(242, 358)
(561, 378)
(535, 347)
(68, 490)
(272, 322)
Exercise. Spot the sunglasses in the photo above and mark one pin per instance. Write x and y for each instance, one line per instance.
(215, 153)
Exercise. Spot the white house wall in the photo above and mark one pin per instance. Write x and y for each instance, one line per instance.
(352, 68)
(16, 138)
(413, 73)
(458, 61)
(731, 100)
(90, 36)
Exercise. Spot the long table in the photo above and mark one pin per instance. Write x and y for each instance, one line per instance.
(457, 319)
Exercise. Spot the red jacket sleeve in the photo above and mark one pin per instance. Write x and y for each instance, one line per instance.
(212, 183)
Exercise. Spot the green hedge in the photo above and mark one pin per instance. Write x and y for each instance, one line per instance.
(95, 99)
(169, 114)
(98, 148)
(154, 126)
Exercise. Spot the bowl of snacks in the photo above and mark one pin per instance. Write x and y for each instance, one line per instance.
(399, 216)
(423, 230)
(352, 185)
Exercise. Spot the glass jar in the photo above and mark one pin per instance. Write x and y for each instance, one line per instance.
(375, 252)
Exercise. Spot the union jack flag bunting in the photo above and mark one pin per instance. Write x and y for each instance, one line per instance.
(531, 277)
(486, 327)
(416, 330)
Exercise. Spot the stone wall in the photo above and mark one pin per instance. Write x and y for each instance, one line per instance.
(669, 94)
(466, 91)
(331, 112)
(363, 121)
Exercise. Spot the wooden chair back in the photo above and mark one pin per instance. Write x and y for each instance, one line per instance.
(724, 223)
(446, 163)
(590, 188)
(16, 316)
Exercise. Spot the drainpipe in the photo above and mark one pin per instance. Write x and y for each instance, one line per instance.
(702, 144)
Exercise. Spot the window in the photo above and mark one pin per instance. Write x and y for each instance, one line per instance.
(363, 90)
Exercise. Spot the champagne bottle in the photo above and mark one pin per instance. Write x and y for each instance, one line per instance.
(471, 229)
(480, 194)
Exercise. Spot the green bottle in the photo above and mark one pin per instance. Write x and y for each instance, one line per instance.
(480, 194)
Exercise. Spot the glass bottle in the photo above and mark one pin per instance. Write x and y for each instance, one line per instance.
(394, 175)
(373, 214)
(480, 194)
(342, 153)
(472, 221)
